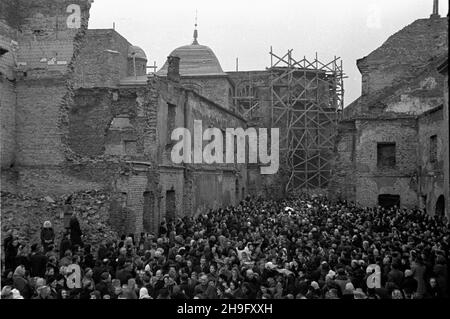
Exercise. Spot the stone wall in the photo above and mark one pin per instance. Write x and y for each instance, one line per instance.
(372, 181)
(343, 181)
(431, 173)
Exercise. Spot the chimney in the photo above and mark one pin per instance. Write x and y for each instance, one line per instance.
(435, 13)
(173, 70)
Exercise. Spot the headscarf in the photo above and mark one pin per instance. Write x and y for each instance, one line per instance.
(143, 294)
(16, 294)
(20, 271)
(47, 224)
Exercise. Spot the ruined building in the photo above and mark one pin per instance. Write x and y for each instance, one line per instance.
(81, 116)
(392, 146)
(80, 113)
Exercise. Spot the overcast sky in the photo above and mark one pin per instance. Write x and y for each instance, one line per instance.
(246, 29)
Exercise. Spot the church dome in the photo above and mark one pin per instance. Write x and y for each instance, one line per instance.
(136, 51)
(195, 60)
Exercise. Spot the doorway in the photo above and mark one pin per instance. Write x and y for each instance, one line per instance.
(440, 206)
(388, 201)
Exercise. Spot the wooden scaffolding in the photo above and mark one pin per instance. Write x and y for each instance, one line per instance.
(306, 102)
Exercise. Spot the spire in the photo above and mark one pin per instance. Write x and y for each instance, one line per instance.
(435, 8)
(195, 30)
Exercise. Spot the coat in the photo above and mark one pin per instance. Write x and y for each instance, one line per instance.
(395, 276)
(419, 272)
(75, 231)
(38, 265)
(441, 276)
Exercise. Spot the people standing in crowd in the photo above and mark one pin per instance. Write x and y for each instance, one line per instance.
(297, 248)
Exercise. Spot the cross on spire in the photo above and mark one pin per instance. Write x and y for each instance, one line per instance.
(195, 30)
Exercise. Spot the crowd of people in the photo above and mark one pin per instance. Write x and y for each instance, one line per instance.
(297, 248)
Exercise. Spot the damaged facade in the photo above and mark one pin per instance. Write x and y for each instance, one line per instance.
(80, 113)
(80, 116)
(392, 147)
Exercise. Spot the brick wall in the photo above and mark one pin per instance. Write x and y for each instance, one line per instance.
(89, 118)
(134, 186)
(103, 59)
(37, 115)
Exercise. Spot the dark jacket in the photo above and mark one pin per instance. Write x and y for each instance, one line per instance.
(395, 276)
(75, 231)
(66, 244)
(47, 236)
(409, 285)
(38, 264)
(105, 288)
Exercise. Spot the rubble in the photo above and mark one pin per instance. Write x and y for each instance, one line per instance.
(26, 215)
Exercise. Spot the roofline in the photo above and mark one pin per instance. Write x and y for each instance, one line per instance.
(430, 111)
(224, 76)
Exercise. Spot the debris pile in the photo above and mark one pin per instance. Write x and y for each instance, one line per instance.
(27, 215)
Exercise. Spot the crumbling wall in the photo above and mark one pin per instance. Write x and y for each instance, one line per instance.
(47, 47)
(89, 119)
(27, 214)
(343, 182)
(45, 166)
(371, 180)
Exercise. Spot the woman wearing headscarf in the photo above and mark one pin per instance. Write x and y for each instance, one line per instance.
(143, 294)
(47, 236)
